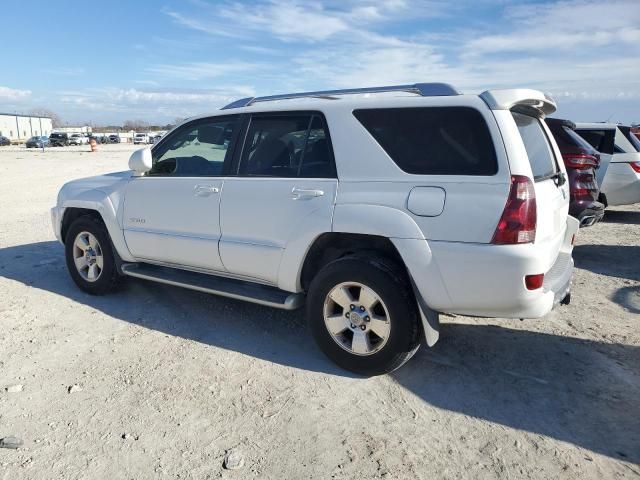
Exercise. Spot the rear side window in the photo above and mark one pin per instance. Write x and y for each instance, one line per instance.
(433, 140)
(287, 146)
(601, 140)
(536, 143)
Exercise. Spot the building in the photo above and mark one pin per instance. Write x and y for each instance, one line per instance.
(19, 128)
(86, 129)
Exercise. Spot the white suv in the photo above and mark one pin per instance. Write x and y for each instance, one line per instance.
(77, 139)
(620, 183)
(378, 208)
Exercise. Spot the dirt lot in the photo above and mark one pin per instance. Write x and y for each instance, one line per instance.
(167, 380)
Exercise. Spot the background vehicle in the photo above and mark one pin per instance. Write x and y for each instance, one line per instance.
(78, 139)
(57, 139)
(377, 211)
(621, 183)
(140, 138)
(114, 139)
(37, 142)
(4, 141)
(581, 161)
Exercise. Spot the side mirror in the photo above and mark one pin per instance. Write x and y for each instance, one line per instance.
(140, 161)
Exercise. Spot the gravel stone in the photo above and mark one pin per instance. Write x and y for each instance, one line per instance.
(233, 459)
(11, 442)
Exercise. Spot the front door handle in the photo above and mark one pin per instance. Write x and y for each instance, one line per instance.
(205, 190)
(302, 194)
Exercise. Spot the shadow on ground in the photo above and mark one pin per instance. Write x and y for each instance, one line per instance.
(621, 216)
(577, 391)
(622, 261)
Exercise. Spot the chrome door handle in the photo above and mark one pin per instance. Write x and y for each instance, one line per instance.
(301, 193)
(205, 190)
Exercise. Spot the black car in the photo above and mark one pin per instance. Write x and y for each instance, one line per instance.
(114, 138)
(59, 140)
(4, 141)
(37, 142)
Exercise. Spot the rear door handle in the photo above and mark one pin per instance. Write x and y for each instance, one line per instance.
(302, 194)
(205, 190)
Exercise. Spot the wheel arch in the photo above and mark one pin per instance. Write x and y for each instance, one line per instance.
(98, 204)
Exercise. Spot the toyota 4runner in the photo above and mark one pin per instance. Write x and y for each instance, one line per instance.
(376, 208)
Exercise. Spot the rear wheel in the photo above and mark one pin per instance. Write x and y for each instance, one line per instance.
(90, 257)
(362, 315)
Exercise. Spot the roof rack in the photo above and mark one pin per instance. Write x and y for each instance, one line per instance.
(423, 89)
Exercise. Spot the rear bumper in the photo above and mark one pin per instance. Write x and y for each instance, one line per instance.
(587, 212)
(489, 280)
(558, 279)
(621, 185)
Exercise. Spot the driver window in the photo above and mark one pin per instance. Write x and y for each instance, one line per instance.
(274, 145)
(197, 149)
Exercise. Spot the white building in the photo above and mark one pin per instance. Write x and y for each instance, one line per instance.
(84, 129)
(19, 128)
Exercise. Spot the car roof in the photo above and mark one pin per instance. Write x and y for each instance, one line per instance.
(597, 125)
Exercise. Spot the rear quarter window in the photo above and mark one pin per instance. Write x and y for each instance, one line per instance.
(433, 140)
(537, 145)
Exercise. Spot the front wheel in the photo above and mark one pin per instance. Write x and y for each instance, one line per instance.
(90, 257)
(362, 315)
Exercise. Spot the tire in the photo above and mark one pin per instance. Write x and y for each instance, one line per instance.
(374, 278)
(102, 276)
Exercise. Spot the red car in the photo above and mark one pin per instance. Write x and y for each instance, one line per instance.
(581, 161)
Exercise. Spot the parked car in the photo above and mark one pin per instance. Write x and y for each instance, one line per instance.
(140, 138)
(621, 183)
(78, 139)
(37, 142)
(114, 138)
(4, 141)
(57, 139)
(376, 211)
(581, 161)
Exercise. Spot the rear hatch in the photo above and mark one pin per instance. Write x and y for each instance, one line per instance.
(550, 182)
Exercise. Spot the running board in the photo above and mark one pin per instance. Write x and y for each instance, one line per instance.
(225, 287)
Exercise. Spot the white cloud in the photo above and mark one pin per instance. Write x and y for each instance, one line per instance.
(13, 94)
(564, 26)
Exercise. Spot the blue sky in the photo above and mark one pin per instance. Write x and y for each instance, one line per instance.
(157, 60)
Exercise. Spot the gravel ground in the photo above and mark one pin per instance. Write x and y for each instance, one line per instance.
(160, 382)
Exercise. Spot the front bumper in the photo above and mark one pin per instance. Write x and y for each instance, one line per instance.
(56, 222)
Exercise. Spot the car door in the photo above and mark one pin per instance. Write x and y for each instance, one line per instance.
(172, 214)
(283, 193)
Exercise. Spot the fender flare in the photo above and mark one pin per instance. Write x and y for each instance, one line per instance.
(100, 202)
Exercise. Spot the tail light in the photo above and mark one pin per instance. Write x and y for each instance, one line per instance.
(518, 221)
(584, 185)
(635, 166)
(581, 160)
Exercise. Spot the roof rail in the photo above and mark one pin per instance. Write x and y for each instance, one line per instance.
(423, 89)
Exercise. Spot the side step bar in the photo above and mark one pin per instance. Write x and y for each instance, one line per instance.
(225, 287)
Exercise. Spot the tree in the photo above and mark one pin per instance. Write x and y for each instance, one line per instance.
(135, 125)
(45, 112)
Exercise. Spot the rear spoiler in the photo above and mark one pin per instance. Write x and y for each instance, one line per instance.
(524, 98)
